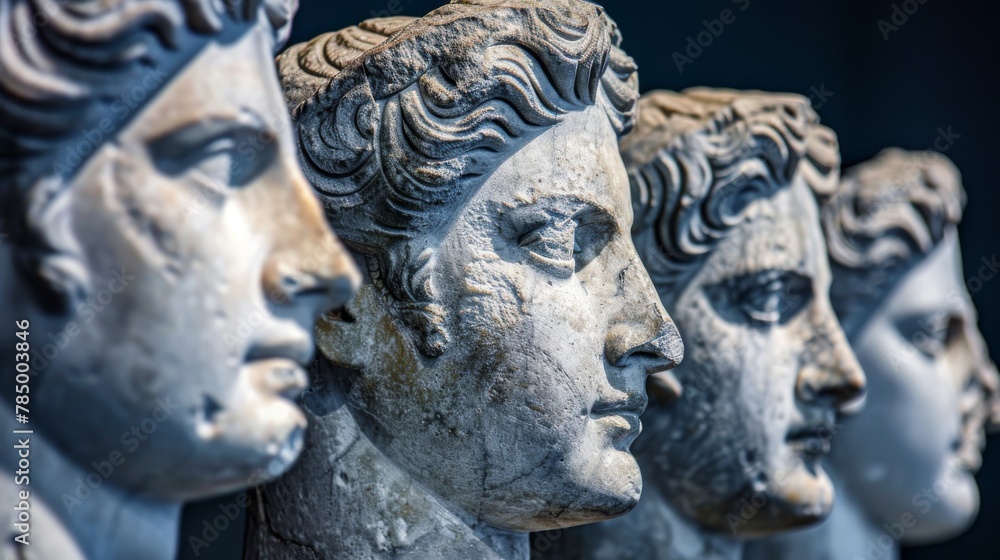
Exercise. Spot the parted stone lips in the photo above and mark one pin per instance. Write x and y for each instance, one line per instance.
(812, 441)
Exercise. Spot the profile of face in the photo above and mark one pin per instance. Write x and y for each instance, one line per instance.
(767, 368)
(526, 419)
(201, 258)
(917, 443)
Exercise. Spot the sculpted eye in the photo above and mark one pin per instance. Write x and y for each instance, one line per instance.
(929, 333)
(215, 155)
(560, 241)
(552, 247)
(765, 298)
(214, 165)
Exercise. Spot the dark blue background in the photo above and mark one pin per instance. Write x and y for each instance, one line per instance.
(938, 70)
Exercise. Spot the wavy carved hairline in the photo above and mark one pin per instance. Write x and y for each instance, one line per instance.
(399, 120)
(61, 61)
(698, 160)
(888, 214)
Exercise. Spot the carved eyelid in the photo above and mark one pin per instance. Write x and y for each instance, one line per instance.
(522, 216)
(176, 151)
(935, 326)
(739, 292)
(556, 226)
(545, 250)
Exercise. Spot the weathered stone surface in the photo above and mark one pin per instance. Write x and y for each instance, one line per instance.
(169, 256)
(487, 380)
(725, 188)
(905, 463)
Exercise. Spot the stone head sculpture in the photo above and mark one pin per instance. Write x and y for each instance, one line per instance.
(162, 243)
(903, 463)
(725, 186)
(497, 352)
(899, 290)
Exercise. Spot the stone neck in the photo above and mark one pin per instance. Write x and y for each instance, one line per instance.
(76, 513)
(690, 541)
(652, 531)
(682, 539)
(850, 533)
(847, 534)
(345, 499)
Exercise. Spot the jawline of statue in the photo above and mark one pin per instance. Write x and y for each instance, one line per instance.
(725, 187)
(470, 160)
(900, 292)
(107, 193)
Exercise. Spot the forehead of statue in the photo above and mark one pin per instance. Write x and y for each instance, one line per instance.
(577, 158)
(222, 83)
(137, 99)
(780, 232)
(935, 284)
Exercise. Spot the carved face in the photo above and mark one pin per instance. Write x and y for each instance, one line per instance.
(767, 367)
(914, 447)
(205, 258)
(526, 419)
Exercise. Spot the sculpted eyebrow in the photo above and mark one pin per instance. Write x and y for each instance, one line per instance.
(179, 142)
(176, 151)
(568, 207)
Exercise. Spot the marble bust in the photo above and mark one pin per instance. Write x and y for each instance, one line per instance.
(488, 378)
(725, 187)
(162, 300)
(904, 465)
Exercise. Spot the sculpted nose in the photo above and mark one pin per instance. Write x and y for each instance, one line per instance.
(642, 331)
(830, 374)
(984, 375)
(308, 265)
(990, 380)
(656, 344)
(322, 276)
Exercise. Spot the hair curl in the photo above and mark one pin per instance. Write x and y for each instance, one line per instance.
(888, 214)
(698, 159)
(400, 119)
(62, 62)
(62, 65)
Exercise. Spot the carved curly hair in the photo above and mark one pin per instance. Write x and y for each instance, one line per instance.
(400, 120)
(888, 214)
(698, 159)
(63, 63)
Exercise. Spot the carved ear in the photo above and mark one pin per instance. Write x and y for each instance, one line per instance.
(428, 323)
(50, 259)
(58, 282)
(415, 301)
